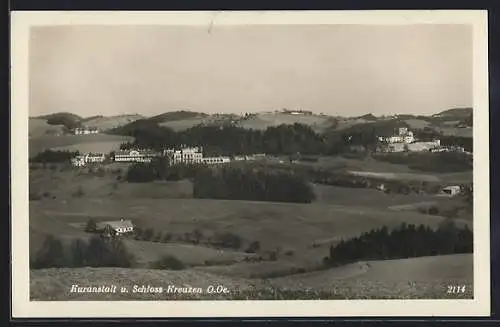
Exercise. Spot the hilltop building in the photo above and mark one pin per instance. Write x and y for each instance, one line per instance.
(85, 130)
(403, 136)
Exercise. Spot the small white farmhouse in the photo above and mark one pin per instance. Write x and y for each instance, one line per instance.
(451, 190)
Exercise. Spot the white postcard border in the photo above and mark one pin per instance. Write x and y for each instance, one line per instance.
(23, 307)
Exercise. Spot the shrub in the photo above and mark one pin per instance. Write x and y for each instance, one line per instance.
(79, 192)
(253, 247)
(168, 262)
(433, 210)
(108, 253)
(227, 240)
(197, 236)
(166, 237)
(51, 254)
(147, 234)
(91, 226)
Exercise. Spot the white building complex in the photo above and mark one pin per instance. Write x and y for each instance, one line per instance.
(405, 141)
(135, 155)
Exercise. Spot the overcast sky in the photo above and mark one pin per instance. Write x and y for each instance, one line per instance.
(334, 69)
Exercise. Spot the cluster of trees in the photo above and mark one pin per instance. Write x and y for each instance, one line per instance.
(238, 183)
(69, 121)
(54, 156)
(159, 169)
(405, 241)
(97, 252)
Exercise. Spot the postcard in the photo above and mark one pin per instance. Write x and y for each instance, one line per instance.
(250, 164)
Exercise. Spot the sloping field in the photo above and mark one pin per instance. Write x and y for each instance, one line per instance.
(417, 123)
(273, 224)
(425, 277)
(63, 184)
(93, 147)
(264, 120)
(455, 131)
(55, 284)
(415, 278)
(105, 123)
(183, 124)
(38, 127)
(368, 197)
(45, 142)
(397, 176)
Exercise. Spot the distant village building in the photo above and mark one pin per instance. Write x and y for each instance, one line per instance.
(82, 160)
(215, 160)
(114, 228)
(85, 130)
(135, 155)
(78, 161)
(452, 190)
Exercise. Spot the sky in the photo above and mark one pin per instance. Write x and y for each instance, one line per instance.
(345, 70)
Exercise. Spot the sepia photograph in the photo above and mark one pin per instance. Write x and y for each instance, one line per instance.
(250, 163)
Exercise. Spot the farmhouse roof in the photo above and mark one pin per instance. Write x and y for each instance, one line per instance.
(115, 224)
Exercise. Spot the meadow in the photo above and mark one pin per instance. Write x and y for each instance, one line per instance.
(84, 143)
(299, 235)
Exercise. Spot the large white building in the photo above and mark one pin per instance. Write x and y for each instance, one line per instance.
(189, 155)
(135, 155)
(403, 136)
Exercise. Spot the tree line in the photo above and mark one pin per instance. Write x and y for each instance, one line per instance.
(239, 183)
(282, 139)
(54, 156)
(406, 241)
(160, 169)
(97, 252)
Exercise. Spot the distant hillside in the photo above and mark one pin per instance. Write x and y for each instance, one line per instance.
(39, 127)
(61, 115)
(176, 115)
(455, 112)
(66, 119)
(105, 123)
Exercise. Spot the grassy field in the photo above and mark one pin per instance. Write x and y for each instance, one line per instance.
(38, 127)
(93, 143)
(403, 279)
(183, 124)
(262, 121)
(299, 234)
(106, 123)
